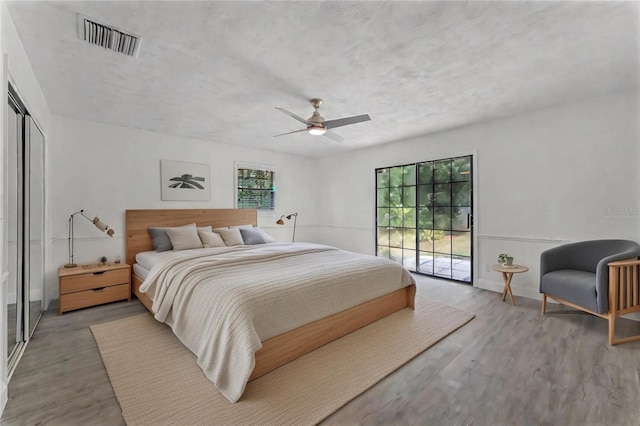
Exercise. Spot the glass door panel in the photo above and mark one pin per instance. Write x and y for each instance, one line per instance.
(409, 239)
(395, 177)
(14, 231)
(424, 216)
(35, 280)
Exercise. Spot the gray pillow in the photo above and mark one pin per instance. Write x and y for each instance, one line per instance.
(160, 239)
(252, 236)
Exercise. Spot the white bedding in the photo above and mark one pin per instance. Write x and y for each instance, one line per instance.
(222, 306)
(140, 271)
(149, 259)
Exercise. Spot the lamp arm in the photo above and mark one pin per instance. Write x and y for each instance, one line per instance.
(295, 220)
(85, 216)
(71, 238)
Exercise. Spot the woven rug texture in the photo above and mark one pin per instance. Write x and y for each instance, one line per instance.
(157, 382)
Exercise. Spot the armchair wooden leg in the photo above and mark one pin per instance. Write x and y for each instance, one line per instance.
(544, 303)
(612, 333)
(612, 329)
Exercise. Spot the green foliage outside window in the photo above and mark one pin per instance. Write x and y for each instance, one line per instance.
(424, 202)
(256, 189)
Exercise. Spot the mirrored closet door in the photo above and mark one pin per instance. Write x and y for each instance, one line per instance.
(25, 226)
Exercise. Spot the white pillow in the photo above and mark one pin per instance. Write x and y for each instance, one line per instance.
(231, 236)
(205, 228)
(211, 239)
(160, 239)
(184, 238)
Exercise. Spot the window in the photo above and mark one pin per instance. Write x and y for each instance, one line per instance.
(255, 187)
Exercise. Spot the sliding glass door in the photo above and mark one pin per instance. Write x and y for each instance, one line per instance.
(425, 216)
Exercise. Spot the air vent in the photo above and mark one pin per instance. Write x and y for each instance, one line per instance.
(109, 37)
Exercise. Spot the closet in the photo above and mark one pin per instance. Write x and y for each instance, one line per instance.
(24, 215)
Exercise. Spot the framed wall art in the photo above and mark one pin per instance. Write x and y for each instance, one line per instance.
(182, 181)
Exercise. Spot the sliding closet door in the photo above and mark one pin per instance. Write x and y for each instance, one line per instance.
(14, 167)
(25, 226)
(34, 276)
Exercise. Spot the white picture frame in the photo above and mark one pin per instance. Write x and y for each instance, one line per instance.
(183, 181)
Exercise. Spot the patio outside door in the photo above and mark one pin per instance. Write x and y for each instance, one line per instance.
(425, 217)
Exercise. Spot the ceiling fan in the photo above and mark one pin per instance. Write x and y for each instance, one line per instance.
(317, 125)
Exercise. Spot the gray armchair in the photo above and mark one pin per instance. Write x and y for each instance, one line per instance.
(599, 277)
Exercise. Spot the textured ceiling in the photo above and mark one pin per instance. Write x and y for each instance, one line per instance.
(216, 70)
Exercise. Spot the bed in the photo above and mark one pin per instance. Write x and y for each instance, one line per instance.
(288, 345)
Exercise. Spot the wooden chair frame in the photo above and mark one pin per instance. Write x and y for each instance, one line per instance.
(624, 296)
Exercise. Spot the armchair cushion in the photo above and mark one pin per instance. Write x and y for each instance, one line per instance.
(575, 286)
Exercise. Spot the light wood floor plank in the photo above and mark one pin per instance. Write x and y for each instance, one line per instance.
(510, 365)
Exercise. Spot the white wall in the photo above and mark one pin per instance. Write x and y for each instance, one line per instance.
(106, 170)
(18, 70)
(543, 178)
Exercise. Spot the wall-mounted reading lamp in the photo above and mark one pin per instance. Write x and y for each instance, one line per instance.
(96, 221)
(295, 219)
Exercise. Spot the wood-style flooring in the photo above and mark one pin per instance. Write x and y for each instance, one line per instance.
(509, 366)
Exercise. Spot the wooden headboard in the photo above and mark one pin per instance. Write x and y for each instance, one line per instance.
(137, 222)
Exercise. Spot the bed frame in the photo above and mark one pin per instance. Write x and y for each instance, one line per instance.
(285, 347)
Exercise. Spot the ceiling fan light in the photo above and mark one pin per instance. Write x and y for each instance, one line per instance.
(316, 130)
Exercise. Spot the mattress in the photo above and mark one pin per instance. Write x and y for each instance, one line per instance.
(140, 271)
(149, 259)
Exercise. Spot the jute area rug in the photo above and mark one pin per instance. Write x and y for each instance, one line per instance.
(157, 381)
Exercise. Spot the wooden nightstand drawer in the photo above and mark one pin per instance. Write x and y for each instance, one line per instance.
(91, 280)
(96, 296)
(90, 285)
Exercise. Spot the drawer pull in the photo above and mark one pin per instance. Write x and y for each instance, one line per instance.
(98, 289)
(99, 272)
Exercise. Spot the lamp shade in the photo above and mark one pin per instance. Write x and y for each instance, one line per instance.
(103, 226)
(99, 224)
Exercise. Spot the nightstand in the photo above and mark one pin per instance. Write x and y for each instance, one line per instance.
(91, 285)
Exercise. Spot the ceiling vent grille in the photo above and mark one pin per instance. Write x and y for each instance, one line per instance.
(108, 37)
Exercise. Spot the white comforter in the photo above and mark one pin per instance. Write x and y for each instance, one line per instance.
(221, 306)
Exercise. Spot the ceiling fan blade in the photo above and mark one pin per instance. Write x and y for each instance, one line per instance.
(332, 135)
(288, 133)
(330, 124)
(292, 115)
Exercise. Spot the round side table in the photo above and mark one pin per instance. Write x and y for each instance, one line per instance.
(507, 275)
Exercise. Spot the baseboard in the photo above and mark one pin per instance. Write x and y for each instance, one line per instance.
(498, 286)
